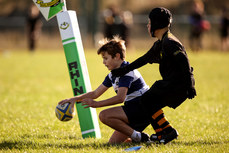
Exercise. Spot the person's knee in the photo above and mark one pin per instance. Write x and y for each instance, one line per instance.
(103, 116)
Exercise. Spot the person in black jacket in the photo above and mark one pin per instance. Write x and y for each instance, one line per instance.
(177, 82)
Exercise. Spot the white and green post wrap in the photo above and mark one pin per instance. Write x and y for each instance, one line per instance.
(74, 52)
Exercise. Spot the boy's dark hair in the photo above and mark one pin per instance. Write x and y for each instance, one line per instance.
(112, 47)
(160, 17)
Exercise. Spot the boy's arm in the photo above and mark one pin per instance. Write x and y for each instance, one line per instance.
(92, 94)
(152, 56)
(182, 59)
(134, 65)
(119, 98)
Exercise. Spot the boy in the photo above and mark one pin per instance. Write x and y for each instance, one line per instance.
(177, 82)
(123, 119)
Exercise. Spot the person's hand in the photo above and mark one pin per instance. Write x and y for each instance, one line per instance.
(191, 92)
(88, 102)
(70, 100)
(119, 72)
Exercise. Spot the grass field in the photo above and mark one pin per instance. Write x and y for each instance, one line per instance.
(32, 84)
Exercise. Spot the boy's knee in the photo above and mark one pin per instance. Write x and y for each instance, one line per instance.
(103, 116)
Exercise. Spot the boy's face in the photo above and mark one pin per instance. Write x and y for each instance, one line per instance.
(109, 62)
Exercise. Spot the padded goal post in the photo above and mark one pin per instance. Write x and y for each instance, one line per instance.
(76, 62)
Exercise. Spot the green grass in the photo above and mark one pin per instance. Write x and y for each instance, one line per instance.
(32, 84)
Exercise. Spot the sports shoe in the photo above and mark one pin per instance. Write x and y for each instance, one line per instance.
(165, 138)
(145, 137)
(154, 138)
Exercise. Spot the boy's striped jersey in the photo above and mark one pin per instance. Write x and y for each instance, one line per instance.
(132, 80)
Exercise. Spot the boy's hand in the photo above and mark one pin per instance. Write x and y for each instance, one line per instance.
(89, 102)
(191, 93)
(70, 100)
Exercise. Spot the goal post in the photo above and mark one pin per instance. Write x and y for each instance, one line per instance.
(76, 62)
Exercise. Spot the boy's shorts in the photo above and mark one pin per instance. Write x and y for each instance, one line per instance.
(137, 118)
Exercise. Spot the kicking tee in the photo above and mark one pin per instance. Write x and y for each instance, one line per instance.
(132, 80)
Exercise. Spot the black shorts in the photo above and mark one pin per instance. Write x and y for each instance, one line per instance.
(158, 96)
(137, 117)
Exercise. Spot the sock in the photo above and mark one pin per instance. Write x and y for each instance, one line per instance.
(156, 128)
(154, 124)
(163, 124)
(136, 136)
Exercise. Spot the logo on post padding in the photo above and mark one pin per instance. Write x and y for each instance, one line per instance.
(64, 25)
(49, 4)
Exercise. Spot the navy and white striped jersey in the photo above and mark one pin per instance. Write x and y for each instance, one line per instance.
(132, 80)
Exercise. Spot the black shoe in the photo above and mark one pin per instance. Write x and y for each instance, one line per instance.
(145, 137)
(154, 138)
(165, 138)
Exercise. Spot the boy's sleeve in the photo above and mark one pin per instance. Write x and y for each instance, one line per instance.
(176, 51)
(182, 59)
(107, 81)
(152, 56)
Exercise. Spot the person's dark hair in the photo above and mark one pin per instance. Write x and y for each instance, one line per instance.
(112, 47)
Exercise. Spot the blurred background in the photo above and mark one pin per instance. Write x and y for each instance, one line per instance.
(20, 28)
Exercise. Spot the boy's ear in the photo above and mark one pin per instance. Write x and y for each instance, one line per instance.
(117, 56)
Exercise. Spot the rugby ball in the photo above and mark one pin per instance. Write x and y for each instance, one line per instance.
(64, 112)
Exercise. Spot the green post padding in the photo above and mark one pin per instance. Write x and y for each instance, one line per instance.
(79, 77)
(78, 86)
